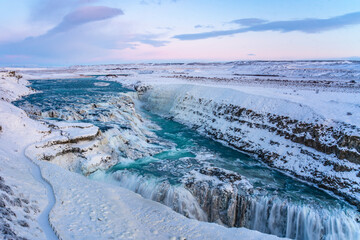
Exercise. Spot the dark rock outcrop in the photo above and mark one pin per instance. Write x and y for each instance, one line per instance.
(229, 199)
(221, 194)
(9, 201)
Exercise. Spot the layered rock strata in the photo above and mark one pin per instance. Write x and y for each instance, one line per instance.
(286, 135)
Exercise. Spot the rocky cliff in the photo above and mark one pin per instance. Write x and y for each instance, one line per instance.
(286, 135)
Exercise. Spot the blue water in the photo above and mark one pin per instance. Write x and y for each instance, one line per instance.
(67, 94)
(60, 93)
(193, 150)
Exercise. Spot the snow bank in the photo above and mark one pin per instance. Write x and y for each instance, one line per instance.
(12, 86)
(23, 197)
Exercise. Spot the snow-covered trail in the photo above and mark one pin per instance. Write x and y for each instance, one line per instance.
(23, 175)
(43, 218)
(17, 132)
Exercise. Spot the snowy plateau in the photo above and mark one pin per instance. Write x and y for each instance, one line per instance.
(59, 165)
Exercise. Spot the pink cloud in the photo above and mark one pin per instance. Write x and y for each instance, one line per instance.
(85, 15)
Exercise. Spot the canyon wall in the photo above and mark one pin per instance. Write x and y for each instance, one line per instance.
(289, 136)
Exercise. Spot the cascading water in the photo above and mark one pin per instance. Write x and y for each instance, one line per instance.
(195, 176)
(285, 219)
(176, 197)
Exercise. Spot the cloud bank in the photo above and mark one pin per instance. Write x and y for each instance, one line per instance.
(79, 36)
(85, 15)
(61, 40)
(310, 25)
(50, 11)
(249, 21)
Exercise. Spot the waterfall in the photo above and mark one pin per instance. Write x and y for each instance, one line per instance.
(175, 197)
(284, 219)
(236, 208)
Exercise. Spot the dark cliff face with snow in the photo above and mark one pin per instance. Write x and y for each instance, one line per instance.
(292, 138)
(229, 199)
(15, 211)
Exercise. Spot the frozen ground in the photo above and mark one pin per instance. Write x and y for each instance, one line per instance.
(23, 206)
(84, 209)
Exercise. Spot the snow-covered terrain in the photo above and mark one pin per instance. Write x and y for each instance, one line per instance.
(25, 195)
(83, 208)
(300, 117)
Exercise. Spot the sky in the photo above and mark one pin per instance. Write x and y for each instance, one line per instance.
(68, 32)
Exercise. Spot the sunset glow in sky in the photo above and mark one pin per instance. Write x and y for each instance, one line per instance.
(52, 32)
